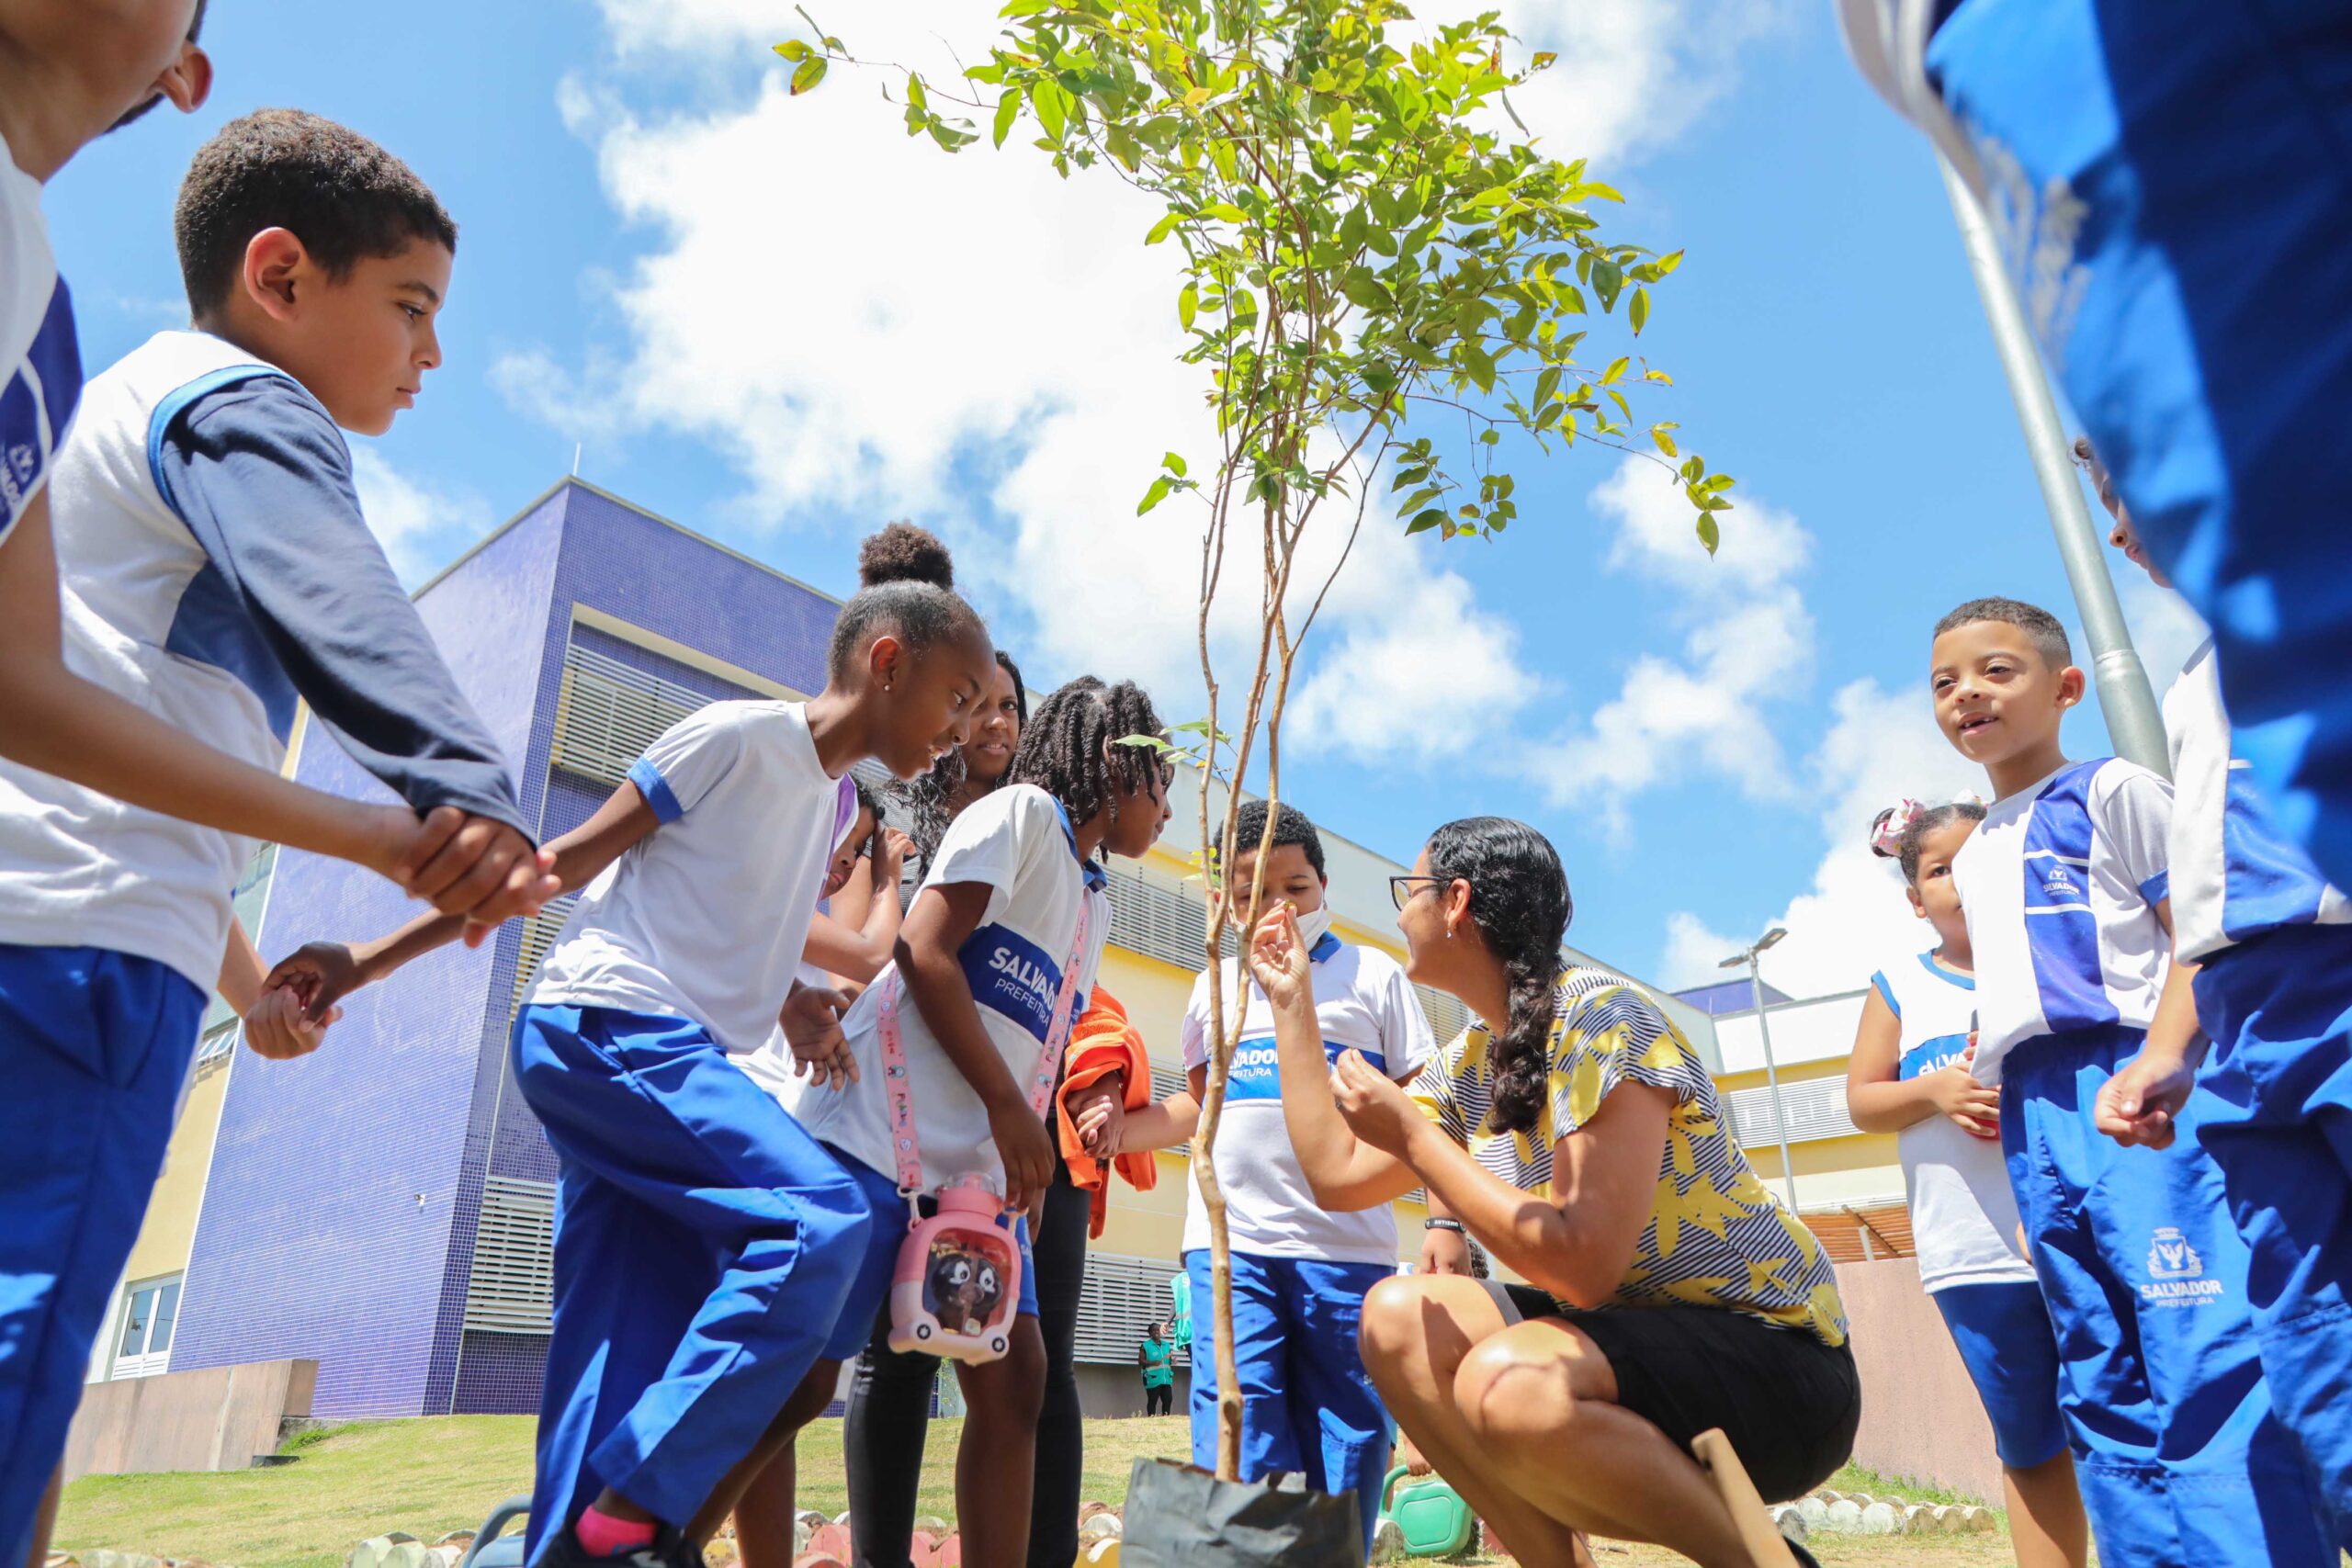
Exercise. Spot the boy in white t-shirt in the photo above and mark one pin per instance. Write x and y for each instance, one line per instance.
(1300, 1272)
(2268, 942)
(1910, 1076)
(2065, 885)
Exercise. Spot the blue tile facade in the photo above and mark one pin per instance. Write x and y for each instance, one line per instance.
(339, 1215)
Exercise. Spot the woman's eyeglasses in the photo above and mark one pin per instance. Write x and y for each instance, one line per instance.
(1402, 888)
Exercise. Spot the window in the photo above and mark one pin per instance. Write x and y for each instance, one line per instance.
(151, 1311)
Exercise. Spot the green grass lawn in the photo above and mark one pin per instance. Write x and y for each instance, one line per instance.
(432, 1476)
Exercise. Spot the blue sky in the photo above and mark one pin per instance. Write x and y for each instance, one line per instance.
(780, 323)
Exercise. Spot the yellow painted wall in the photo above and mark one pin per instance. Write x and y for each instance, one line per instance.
(169, 1230)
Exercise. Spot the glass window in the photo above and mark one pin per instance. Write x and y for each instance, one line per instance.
(167, 1310)
(135, 1318)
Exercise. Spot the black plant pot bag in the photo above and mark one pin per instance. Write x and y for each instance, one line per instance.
(1181, 1517)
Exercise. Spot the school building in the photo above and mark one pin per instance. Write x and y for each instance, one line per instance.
(385, 1206)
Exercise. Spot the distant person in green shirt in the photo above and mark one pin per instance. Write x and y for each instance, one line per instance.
(1158, 1375)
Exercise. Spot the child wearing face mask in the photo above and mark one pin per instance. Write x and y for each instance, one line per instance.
(1300, 1273)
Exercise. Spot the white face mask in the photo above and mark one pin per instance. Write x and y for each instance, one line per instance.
(1314, 926)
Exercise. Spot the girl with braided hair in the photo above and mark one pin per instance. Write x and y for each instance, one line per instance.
(1575, 1135)
(926, 806)
(1014, 890)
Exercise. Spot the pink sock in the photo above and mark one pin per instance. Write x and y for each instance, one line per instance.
(601, 1535)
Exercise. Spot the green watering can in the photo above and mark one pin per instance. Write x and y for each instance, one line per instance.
(1436, 1521)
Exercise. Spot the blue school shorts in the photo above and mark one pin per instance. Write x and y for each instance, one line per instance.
(2003, 1331)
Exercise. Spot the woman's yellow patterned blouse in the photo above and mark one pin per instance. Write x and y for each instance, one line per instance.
(1716, 1238)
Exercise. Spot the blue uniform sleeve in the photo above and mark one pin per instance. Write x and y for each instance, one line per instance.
(261, 475)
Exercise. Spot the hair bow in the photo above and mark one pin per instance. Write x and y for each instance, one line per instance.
(1887, 830)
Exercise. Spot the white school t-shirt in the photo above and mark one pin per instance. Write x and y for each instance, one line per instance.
(1362, 1001)
(2060, 884)
(41, 360)
(705, 917)
(1963, 1214)
(2235, 873)
(1016, 841)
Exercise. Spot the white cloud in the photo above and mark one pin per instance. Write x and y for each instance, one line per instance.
(420, 526)
(2165, 630)
(1881, 748)
(1748, 645)
(862, 325)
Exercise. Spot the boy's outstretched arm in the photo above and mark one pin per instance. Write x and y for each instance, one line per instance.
(262, 478)
(304, 986)
(53, 720)
(1167, 1122)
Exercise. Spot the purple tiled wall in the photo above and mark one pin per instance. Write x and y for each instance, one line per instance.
(340, 1211)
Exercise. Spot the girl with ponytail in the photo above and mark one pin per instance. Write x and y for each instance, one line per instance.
(1576, 1133)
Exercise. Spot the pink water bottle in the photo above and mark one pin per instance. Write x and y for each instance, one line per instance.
(957, 1284)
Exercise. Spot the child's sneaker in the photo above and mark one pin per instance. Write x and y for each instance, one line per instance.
(668, 1548)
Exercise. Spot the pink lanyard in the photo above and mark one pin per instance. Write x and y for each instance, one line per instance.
(896, 1083)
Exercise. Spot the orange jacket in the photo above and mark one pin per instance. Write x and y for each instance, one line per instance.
(1103, 1042)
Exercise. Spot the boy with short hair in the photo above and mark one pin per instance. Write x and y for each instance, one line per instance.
(68, 70)
(2065, 888)
(1299, 1273)
(214, 569)
(2268, 942)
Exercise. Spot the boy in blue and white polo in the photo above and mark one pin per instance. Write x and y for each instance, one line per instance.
(1300, 1274)
(2066, 889)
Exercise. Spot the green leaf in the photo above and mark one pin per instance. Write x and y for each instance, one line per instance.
(1155, 494)
(809, 72)
(1008, 109)
(1665, 443)
(1173, 464)
(1425, 521)
(1052, 106)
(916, 98)
(1709, 534)
(1162, 229)
(1637, 310)
(1616, 368)
(793, 49)
(1362, 289)
(1186, 304)
(1542, 61)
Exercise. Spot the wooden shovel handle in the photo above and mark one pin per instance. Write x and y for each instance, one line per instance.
(1756, 1531)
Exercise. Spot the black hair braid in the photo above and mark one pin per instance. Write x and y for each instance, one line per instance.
(1520, 902)
(922, 800)
(1062, 751)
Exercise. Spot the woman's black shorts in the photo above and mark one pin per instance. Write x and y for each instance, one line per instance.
(1788, 1402)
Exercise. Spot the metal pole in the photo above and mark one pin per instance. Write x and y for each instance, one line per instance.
(2133, 726)
(1772, 1077)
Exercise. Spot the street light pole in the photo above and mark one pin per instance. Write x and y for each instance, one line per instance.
(1772, 1072)
(2133, 726)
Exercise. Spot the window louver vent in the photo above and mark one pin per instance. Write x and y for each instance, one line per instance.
(1121, 1294)
(511, 1289)
(1815, 1107)
(538, 935)
(606, 714)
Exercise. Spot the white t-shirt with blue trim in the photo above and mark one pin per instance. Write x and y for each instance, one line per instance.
(705, 918)
(41, 360)
(1362, 1001)
(2060, 884)
(1016, 841)
(1963, 1214)
(2235, 873)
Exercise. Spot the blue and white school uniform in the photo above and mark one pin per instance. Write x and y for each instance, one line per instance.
(2274, 992)
(2179, 1454)
(2199, 322)
(213, 569)
(1017, 842)
(40, 358)
(1964, 1226)
(1300, 1273)
(704, 1241)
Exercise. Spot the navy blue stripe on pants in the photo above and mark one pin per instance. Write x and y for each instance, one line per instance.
(2178, 1454)
(97, 1045)
(704, 1246)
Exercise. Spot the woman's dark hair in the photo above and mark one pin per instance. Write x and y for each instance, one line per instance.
(1923, 822)
(1062, 751)
(908, 587)
(922, 801)
(1519, 900)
